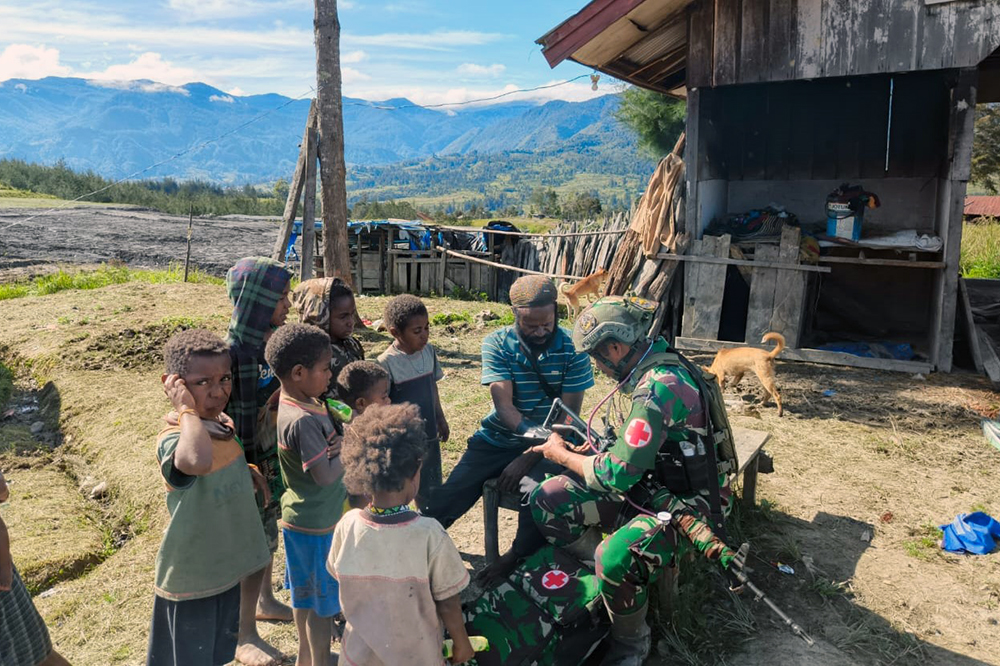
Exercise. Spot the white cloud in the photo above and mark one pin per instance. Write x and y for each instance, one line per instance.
(439, 40)
(23, 61)
(216, 9)
(472, 69)
(148, 66)
(346, 4)
(139, 86)
(221, 98)
(236, 92)
(353, 57)
(351, 75)
(428, 95)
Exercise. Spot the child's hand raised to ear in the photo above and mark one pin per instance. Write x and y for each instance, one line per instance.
(178, 394)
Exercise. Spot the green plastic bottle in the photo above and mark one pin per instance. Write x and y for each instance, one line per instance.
(479, 644)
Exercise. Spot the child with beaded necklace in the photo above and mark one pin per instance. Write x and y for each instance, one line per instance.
(400, 574)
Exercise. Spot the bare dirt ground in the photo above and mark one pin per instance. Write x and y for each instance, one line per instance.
(863, 476)
(138, 237)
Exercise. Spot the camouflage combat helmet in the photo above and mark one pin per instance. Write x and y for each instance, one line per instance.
(626, 319)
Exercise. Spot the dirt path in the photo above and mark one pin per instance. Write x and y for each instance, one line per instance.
(138, 237)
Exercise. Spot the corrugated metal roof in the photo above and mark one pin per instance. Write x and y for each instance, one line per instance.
(982, 205)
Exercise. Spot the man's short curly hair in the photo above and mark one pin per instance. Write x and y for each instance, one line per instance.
(295, 344)
(185, 345)
(401, 309)
(358, 378)
(383, 448)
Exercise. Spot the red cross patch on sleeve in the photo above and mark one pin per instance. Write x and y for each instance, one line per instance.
(638, 433)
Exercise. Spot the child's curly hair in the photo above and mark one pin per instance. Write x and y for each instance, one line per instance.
(295, 344)
(183, 346)
(383, 448)
(401, 309)
(357, 378)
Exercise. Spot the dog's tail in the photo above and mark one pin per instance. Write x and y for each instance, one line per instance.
(779, 342)
(563, 286)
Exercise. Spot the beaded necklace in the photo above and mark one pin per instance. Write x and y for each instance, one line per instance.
(388, 511)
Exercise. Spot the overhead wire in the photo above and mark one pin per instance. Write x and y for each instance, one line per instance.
(202, 144)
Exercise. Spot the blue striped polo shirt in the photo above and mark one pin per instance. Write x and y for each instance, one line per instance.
(565, 370)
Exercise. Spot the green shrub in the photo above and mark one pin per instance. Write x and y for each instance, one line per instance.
(102, 277)
(6, 385)
(980, 256)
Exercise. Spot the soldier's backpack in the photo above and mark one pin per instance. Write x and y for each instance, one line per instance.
(547, 612)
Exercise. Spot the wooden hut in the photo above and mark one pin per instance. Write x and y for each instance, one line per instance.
(786, 100)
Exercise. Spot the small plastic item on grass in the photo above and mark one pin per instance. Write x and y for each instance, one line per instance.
(974, 533)
(479, 644)
(784, 568)
(991, 430)
(829, 393)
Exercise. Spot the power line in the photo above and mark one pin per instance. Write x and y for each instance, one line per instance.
(238, 128)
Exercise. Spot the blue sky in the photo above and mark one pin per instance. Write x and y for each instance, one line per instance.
(428, 51)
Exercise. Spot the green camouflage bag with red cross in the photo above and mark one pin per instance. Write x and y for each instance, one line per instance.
(548, 612)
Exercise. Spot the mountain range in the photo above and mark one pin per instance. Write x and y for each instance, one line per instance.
(119, 128)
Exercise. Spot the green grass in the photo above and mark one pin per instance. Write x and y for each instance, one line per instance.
(6, 384)
(7, 192)
(981, 249)
(102, 277)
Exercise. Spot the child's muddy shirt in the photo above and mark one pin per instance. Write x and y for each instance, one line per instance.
(304, 429)
(215, 538)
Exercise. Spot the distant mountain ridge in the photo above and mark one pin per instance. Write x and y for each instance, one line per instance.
(118, 128)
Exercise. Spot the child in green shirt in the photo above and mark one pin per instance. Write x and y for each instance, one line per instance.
(308, 452)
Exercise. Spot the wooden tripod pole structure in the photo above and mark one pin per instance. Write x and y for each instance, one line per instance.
(295, 190)
(336, 255)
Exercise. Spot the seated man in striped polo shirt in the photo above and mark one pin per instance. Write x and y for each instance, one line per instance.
(526, 366)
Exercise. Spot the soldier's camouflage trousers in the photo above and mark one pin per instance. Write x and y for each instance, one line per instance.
(637, 547)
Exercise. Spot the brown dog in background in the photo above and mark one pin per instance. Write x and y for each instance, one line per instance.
(590, 285)
(734, 363)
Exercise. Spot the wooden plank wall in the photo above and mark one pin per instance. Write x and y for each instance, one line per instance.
(826, 129)
(748, 41)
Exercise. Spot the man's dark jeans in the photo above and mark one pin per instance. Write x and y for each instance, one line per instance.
(480, 462)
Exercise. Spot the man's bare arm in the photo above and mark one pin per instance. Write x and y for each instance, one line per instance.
(503, 401)
(574, 401)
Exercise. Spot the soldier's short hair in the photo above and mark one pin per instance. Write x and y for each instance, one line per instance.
(383, 448)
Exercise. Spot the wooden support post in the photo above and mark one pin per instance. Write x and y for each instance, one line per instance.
(950, 209)
(383, 261)
(359, 283)
(294, 191)
(309, 209)
(391, 268)
(330, 112)
(442, 272)
(187, 256)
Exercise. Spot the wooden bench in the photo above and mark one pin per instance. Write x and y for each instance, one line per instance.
(749, 444)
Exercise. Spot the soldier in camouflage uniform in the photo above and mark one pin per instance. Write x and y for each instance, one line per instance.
(666, 407)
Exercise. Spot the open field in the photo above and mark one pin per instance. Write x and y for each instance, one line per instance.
(863, 477)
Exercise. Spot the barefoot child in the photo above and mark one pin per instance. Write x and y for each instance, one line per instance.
(308, 450)
(215, 538)
(414, 372)
(328, 303)
(24, 639)
(400, 574)
(258, 289)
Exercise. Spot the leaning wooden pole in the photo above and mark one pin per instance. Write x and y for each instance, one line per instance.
(294, 191)
(309, 210)
(336, 257)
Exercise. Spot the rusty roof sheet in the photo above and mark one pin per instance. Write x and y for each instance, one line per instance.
(982, 205)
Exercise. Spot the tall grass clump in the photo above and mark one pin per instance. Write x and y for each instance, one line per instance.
(104, 276)
(980, 256)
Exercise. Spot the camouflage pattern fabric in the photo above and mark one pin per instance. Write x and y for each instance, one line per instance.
(548, 611)
(344, 352)
(665, 407)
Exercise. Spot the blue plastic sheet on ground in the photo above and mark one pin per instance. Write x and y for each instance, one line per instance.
(901, 351)
(974, 533)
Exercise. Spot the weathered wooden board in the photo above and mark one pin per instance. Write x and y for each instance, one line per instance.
(991, 359)
(790, 290)
(969, 326)
(747, 41)
(703, 296)
(762, 284)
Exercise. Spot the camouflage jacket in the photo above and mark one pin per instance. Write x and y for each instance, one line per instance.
(665, 400)
(344, 352)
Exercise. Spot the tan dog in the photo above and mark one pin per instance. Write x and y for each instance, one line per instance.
(734, 363)
(590, 285)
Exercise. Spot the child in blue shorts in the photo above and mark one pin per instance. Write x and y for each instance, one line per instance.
(309, 455)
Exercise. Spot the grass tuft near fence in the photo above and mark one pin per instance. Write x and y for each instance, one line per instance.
(981, 249)
(104, 276)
